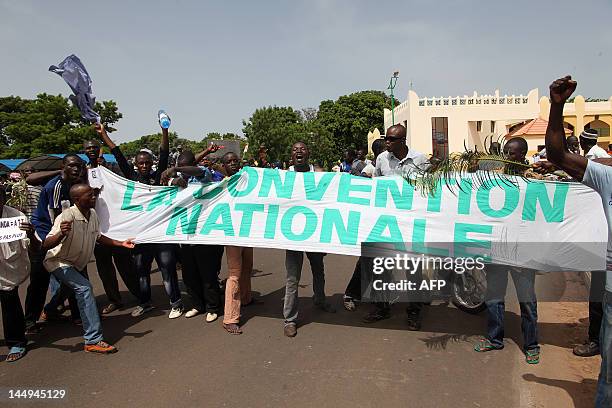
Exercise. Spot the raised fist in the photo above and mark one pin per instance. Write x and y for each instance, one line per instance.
(562, 89)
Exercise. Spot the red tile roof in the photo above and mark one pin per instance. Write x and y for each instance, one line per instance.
(534, 127)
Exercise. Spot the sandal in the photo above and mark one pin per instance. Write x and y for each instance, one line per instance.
(349, 303)
(485, 345)
(532, 356)
(15, 353)
(232, 328)
(377, 315)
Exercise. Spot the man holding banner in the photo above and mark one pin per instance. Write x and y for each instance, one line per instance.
(598, 177)
(294, 260)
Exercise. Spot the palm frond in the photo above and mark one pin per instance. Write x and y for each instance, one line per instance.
(488, 168)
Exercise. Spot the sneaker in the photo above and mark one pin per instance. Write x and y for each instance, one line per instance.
(141, 309)
(588, 349)
(100, 347)
(175, 312)
(192, 313)
(110, 308)
(211, 317)
(290, 330)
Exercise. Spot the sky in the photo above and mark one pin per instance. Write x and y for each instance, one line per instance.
(210, 64)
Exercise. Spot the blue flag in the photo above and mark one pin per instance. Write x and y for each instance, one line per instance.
(77, 78)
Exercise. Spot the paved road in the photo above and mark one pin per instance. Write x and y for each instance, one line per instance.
(334, 361)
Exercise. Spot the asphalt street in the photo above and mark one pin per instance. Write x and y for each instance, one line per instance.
(335, 360)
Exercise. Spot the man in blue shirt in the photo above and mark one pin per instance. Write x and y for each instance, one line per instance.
(49, 207)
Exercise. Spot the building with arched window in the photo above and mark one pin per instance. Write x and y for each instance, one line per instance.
(446, 124)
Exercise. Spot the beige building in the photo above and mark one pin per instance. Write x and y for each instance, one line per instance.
(442, 125)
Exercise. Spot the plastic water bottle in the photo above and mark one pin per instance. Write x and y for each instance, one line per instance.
(164, 119)
(65, 205)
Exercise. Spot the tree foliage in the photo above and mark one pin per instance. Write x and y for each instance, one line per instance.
(351, 117)
(47, 124)
(278, 128)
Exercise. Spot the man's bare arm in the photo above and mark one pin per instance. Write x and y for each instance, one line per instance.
(41, 177)
(556, 149)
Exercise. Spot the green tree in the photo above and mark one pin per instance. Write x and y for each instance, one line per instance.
(351, 117)
(275, 127)
(278, 128)
(47, 124)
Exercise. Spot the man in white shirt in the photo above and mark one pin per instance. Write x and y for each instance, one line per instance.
(399, 159)
(598, 177)
(588, 143)
(70, 246)
(14, 270)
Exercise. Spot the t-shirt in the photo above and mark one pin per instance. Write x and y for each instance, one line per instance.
(77, 248)
(14, 260)
(368, 170)
(599, 178)
(597, 152)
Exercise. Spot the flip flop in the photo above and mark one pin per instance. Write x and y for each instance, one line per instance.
(232, 328)
(485, 345)
(15, 353)
(532, 356)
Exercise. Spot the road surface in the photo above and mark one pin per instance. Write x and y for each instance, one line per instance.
(335, 360)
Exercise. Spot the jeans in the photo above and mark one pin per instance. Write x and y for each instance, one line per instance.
(85, 300)
(165, 256)
(603, 398)
(293, 264)
(13, 320)
(201, 268)
(108, 274)
(59, 293)
(524, 281)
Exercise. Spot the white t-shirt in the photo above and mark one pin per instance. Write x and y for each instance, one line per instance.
(599, 178)
(14, 260)
(597, 152)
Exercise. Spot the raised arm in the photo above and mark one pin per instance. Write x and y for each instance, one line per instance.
(126, 168)
(556, 148)
(40, 178)
(102, 132)
(210, 149)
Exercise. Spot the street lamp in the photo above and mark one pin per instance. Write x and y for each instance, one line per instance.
(391, 87)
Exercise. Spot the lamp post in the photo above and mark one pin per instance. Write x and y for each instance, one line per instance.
(391, 87)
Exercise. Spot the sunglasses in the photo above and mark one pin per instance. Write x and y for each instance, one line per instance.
(393, 139)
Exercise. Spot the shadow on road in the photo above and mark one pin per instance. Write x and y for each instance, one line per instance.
(582, 393)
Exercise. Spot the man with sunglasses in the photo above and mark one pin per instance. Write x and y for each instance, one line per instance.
(398, 159)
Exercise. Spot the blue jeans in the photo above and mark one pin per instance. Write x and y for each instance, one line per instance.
(165, 256)
(603, 397)
(85, 300)
(497, 283)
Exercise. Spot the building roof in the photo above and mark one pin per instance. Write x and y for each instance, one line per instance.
(534, 127)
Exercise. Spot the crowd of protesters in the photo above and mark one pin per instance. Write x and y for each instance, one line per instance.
(63, 235)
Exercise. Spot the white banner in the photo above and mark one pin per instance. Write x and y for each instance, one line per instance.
(9, 229)
(537, 224)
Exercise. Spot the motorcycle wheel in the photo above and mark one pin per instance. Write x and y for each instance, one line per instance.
(469, 290)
